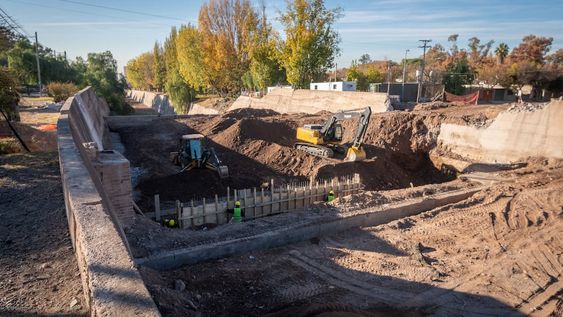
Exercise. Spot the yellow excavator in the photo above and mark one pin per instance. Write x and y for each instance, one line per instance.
(324, 140)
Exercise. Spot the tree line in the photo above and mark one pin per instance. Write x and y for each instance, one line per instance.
(234, 47)
(528, 63)
(63, 78)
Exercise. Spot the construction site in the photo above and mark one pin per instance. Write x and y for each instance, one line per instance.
(444, 209)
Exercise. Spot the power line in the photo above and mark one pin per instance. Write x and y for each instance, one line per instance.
(121, 10)
(65, 9)
(424, 46)
(10, 23)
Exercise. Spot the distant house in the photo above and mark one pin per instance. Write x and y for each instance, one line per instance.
(335, 86)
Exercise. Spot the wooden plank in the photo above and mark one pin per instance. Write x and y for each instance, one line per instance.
(157, 207)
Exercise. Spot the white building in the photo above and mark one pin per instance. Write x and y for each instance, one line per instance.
(335, 86)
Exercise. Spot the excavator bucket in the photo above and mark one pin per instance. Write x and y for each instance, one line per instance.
(355, 154)
(223, 172)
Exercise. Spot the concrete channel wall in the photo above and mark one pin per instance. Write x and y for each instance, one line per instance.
(97, 205)
(284, 100)
(163, 105)
(513, 136)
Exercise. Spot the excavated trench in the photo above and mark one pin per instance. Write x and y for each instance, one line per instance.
(257, 146)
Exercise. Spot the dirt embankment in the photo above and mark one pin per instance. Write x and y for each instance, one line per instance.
(257, 145)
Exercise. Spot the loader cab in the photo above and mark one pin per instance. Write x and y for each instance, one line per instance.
(192, 145)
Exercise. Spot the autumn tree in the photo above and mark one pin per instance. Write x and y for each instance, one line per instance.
(227, 29)
(532, 49)
(311, 43)
(140, 71)
(353, 74)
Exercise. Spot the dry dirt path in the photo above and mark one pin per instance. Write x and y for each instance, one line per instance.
(38, 271)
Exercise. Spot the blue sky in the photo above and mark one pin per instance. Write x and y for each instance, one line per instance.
(383, 29)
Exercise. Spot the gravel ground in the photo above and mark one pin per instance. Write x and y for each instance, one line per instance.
(38, 270)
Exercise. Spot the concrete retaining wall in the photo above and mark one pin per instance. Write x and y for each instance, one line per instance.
(162, 104)
(512, 137)
(285, 100)
(112, 285)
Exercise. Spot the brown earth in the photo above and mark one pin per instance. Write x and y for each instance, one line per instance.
(257, 145)
(498, 253)
(38, 271)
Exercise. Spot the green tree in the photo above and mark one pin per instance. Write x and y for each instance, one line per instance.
(501, 52)
(101, 74)
(364, 59)
(179, 91)
(311, 43)
(353, 74)
(159, 67)
(458, 73)
(191, 58)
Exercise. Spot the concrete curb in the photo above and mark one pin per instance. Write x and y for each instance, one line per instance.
(296, 233)
(112, 285)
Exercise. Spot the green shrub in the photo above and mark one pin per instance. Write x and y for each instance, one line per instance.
(61, 91)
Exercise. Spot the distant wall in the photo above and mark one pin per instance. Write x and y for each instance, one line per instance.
(97, 192)
(313, 101)
(163, 105)
(512, 136)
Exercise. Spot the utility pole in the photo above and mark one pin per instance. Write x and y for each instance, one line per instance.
(38, 67)
(421, 82)
(404, 76)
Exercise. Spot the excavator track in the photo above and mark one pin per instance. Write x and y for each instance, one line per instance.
(313, 149)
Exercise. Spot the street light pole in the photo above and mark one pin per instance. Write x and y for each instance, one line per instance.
(404, 76)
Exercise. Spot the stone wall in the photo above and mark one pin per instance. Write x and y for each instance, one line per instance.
(97, 191)
(285, 100)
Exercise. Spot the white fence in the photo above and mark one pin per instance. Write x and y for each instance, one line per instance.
(256, 203)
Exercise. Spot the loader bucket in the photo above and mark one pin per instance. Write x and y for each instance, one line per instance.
(354, 155)
(223, 172)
